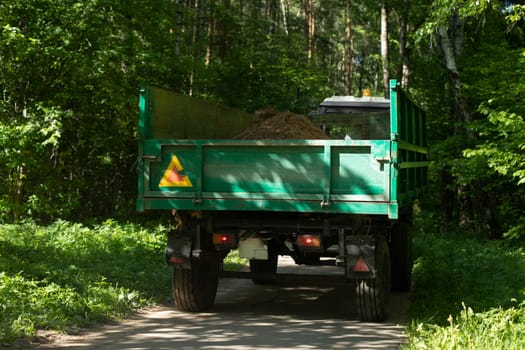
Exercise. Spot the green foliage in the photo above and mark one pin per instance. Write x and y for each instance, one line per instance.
(233, 262)
(455, 274)
(69, 83)
(496, 156)
(452, 269)
(476, 154)
(67, 275)
(494, 329)
(24, 145)
(504, 144)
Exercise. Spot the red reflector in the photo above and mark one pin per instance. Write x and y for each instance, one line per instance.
(361, 266)
(228, 239)
(308, 241)
(177, 260)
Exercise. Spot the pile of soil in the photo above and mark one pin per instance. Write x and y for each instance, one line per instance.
(269, 123)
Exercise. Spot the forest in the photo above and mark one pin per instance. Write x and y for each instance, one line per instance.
(70, 74)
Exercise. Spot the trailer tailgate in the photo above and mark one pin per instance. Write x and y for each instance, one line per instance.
(280, 175)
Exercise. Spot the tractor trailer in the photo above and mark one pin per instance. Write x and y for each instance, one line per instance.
(348, 196)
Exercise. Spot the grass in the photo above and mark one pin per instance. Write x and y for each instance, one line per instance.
(497, 328)
(469, 294)
(68, 275)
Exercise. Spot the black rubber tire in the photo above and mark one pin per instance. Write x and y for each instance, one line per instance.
(308, 259)
(195, 290)
(262, 271)
(372, 294)
(401, 258)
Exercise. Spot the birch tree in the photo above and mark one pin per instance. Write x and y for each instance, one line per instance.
(446, 25)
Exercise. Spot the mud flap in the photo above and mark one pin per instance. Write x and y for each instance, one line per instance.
(178, 249)
(253, 248)
(360, 257)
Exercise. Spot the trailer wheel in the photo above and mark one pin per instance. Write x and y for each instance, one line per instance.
(307, 258)
(401, 256)
(262, 271)
(372, 293)
(195, 289)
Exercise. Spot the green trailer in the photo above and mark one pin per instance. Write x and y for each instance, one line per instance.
(348, 197)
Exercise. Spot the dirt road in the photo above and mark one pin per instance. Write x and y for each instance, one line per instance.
(248, 316)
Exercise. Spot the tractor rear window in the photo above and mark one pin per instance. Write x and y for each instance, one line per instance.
(357, 126)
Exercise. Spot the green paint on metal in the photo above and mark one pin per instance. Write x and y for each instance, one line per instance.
(169, 115)
(317, 176)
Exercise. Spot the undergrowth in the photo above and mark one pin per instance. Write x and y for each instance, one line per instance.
(469, 293)
(67, 275)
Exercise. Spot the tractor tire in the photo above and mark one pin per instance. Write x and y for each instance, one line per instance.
(308, 259)
(372, 293)
(401, 256)
(194, 289)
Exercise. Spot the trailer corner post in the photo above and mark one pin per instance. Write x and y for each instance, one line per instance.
(394, 132)
(327, 175)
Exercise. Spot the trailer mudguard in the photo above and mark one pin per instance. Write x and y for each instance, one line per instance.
(178, 249)
(360, 257)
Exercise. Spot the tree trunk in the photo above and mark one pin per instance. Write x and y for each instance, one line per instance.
(449, 55)
(485, 210)
(212, 23)
(349, 50)
(271, 16)
(194, 37)
(283, 13)
(309, 18)
(403, 71)
(384, 47)
(447, 199)
(178, 38)
(461, 114)
(222, 29)
(472, 198)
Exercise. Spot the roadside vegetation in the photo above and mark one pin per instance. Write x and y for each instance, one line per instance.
(68, 275)
(469, 293)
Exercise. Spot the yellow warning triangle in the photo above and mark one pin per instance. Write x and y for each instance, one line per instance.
(172, 176)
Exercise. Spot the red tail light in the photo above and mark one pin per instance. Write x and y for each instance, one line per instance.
(307, 241)
(225, 240)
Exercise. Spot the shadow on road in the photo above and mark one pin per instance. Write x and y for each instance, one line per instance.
(248, 316)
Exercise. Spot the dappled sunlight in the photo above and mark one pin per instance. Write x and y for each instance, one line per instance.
(166, 328)
(248, 316)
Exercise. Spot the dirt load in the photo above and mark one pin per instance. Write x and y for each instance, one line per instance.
(269, 123)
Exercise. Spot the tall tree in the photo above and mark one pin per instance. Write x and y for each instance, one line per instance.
(384, 47)
(310, 22)
(403, 68)
(476, 200)
(349, 49)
